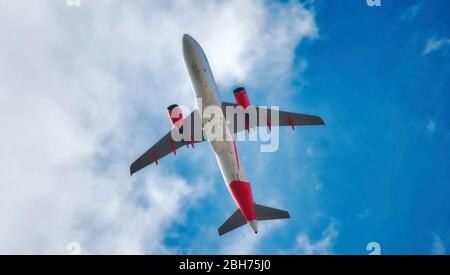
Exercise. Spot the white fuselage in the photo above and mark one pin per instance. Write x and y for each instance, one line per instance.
(207, 94)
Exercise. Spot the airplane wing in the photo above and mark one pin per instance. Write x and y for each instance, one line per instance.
(167, 144)
(264, 118)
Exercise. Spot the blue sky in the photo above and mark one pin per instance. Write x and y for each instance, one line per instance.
(381, 161)
(387, 136)
(91, 94)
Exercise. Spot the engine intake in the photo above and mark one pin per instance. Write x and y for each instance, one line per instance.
(175, 115)
(240, 97)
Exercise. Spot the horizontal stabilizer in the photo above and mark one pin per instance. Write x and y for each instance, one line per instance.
(262, 213)
(236, 220)
(268, 213)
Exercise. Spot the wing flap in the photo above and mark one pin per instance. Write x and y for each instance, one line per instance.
(265, 117)
(166, 145)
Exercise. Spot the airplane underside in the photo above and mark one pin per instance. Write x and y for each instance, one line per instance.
(207, 95)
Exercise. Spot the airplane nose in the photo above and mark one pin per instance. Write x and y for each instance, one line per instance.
(186, 37)
(188, 41)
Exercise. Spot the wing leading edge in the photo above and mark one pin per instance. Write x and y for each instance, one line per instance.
(167, 144)
(266, 117)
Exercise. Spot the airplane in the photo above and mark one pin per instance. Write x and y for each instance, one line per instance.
(207, 95)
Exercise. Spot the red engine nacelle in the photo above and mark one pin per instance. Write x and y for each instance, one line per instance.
(240, 97)
(175, 115)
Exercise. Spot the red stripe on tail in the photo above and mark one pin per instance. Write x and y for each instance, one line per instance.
(242, 194)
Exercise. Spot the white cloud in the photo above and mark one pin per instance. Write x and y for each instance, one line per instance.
(434, 44)
(323, 246)
(82, 93)
(411, 12)
(438, 247)
(366, 213)
(245, 241)
(310, 151)
(431, 126)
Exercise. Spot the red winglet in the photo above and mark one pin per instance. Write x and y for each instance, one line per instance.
(155, 159)
(174, 150)
(269, 123)
(291, 122)
(192, 144)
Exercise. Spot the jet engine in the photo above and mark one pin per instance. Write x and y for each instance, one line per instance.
(240, 97)
(175, 115)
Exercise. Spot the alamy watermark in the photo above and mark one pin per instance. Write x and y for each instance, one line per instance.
(373, 3)
(230, 123)
(370, 3)
(73, 248)
(374, 248)
(73, 3)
